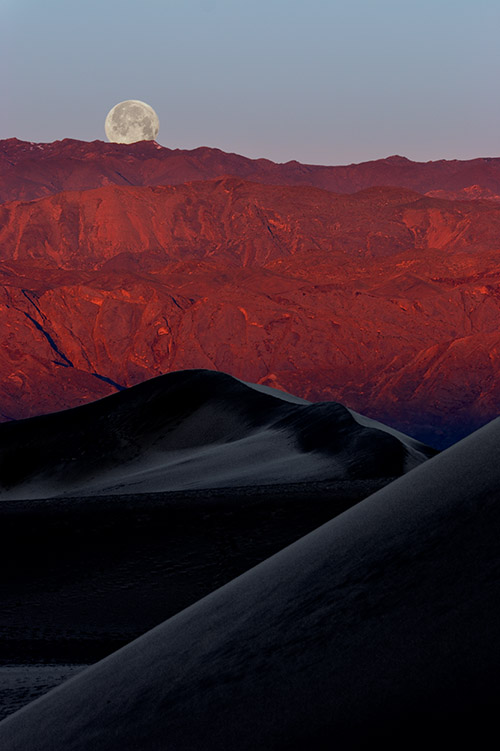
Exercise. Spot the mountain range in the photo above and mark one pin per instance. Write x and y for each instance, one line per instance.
(32, 170)
(384, 299)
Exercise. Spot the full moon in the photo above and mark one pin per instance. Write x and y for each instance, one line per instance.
(131, 121)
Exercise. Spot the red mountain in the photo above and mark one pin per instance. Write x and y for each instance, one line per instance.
(32, 170)
(385, 300)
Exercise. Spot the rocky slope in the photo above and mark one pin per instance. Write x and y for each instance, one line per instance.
(385, 300)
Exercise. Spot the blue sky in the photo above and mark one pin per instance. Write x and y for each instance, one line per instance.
(321, 81)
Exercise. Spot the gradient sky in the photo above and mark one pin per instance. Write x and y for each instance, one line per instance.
(321, 81)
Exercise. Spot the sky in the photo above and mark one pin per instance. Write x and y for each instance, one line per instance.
(319, 81)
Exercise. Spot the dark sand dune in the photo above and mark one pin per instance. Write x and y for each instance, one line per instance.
(86, 574)
(81, 577)
(196, 429)
(381, 624)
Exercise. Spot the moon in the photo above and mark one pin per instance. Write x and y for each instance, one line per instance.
(131, 121)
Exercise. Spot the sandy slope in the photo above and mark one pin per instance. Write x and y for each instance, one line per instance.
(82, 577)
(196, 429)
(377, 623)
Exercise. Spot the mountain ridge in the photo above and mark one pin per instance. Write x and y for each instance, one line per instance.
(71, 165)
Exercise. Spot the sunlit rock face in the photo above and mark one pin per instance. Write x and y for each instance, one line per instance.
(385, 300)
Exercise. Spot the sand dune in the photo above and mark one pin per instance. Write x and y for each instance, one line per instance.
(381, 624)
(196, 429)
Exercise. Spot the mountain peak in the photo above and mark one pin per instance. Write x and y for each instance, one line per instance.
(397, 159)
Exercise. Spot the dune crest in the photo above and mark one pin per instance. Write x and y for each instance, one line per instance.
(196, 429)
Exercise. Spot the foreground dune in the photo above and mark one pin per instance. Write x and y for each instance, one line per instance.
(196, 429)
(380, 624)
